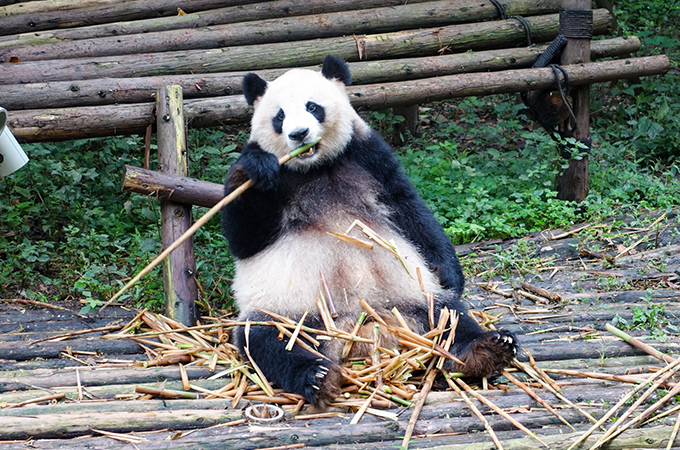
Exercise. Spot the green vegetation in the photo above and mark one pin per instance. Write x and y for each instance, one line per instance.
(66, 231)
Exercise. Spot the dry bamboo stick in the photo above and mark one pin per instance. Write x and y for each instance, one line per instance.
(419, 406)
(499, 411)
(674, 433)
(476, 412)
(199, 223)
(616, 430)
(660, 377)
(535, 396)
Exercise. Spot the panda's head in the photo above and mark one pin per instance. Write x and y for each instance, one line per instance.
(300, 107)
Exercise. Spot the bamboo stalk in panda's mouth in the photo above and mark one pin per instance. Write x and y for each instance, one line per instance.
(202, 221)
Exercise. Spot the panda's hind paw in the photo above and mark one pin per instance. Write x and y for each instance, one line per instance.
(322, 384)
(488, 354)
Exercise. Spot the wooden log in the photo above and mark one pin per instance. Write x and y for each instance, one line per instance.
(229, 14)
(78, 424)
(177, 189)
(106, 91)
(105, 13)
(78, 123)
(179, 268)
(46, 350)
(93, 376)
(344, 23)
(572, 184)
(33, 7)
(422, 42)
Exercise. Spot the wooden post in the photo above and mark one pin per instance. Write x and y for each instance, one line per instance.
(573, 183)
(179, 268)
(410, 123)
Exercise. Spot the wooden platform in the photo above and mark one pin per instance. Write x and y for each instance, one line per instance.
(567, 334)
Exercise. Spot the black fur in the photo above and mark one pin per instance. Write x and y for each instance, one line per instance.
(253, 88)
(255, 220)
(415, 221)
(336, 68)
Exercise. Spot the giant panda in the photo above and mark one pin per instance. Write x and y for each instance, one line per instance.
(278, 232)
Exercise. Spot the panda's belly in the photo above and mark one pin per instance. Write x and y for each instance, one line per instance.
(285, 277)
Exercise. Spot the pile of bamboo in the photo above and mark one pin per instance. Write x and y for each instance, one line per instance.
(388, 378)
(84, 69)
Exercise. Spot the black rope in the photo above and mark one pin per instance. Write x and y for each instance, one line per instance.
(500, 8)
(550, 53)
(561, 89)
(576, 23)
(527, 27)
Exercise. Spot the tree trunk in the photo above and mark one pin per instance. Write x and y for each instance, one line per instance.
(346, 23)
(572, 184)
(425, 42)
(79, 123)
(179, 268)
(106, 91)
(230, 14)
(113, 12)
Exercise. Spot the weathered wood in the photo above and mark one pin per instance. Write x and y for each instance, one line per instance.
(423, 42)
(75, 423)
(105, 392)
(17, 380)
(179, 268)
(73, 123)
(18, 352)
(345, 23)
(572, 184)
(113, 12)
(230, 14)
(106, 91)
(40, 6)
(177, 189)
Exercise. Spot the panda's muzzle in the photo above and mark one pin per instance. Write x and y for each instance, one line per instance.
(299, 135)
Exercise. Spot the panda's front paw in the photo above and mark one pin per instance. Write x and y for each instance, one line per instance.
(321, 384)
(488, 354)
(259, 166)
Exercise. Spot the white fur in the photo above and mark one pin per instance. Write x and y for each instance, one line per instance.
(284, 278)
(291, 92)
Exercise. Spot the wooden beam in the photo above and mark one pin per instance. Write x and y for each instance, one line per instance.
(410, 43)
(179, 268)
(110, 120)
(572, 184)
(107, 91)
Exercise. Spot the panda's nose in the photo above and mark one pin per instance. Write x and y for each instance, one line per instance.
(299, 135)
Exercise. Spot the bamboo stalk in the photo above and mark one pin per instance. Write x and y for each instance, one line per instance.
(660, 377)
(635, 342)
(199, 223)
(425, 390)
(674, 433)
(476, 412)
(499, 411)
(535, 396)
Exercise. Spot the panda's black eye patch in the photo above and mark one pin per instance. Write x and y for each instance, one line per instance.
(277, 121)
(316, 110)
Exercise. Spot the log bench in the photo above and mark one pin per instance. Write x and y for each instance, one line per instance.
(90, 68)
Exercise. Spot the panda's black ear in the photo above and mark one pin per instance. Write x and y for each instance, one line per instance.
(336, 68)
(253, 87)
